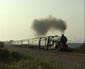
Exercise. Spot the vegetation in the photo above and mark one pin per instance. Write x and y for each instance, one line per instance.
(24, 58)
(15, 60)
(7, 56)
(1, 44)
(82, 48)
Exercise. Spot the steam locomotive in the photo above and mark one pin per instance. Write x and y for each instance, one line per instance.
(50, 42)
(58, 42)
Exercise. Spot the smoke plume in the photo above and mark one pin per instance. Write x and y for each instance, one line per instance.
(42, 26)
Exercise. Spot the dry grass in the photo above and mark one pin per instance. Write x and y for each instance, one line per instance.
(59, 60)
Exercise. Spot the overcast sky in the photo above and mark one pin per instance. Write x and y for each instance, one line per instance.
(16, 17)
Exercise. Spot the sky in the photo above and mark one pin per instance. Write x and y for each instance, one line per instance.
(17, 16)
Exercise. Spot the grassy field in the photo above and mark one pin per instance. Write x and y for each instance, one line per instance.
(42, 59)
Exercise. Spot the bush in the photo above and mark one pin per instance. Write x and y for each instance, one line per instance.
(67, 49)
(15, 56)
(82, 48)
(45, 65)
(1, 44)
(6, 55)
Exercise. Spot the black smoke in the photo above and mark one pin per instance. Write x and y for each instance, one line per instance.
(42, 26)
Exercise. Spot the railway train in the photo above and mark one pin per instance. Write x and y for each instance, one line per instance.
(49, 42)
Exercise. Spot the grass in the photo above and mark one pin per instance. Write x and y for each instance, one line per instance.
(42, 59)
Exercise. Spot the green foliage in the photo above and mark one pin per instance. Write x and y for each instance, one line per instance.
(39, 59)
(14, 60)
(6, 55)
(1, 44)
(16, 55)
(82, 48)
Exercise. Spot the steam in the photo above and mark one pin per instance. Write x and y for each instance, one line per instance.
(42, 26)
